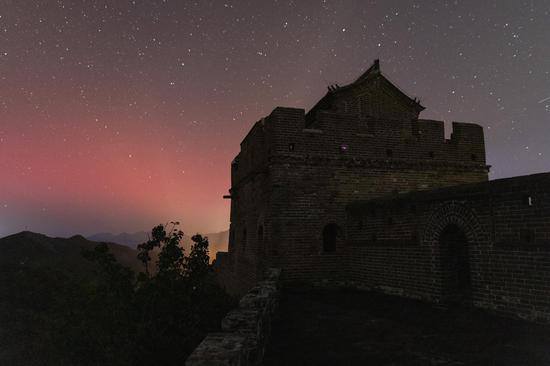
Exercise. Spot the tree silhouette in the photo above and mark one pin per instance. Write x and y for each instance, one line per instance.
(113, 316)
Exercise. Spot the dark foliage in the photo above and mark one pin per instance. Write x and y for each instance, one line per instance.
(112, 316)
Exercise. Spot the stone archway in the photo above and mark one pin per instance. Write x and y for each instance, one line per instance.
(455, 266)
(453, 233)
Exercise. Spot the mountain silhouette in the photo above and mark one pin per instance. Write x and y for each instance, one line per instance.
(28, 249)
(131, 240)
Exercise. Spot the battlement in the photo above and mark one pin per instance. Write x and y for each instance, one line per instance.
(340, 135)
(370, 119)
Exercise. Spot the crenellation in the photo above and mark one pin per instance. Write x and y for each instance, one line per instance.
(431, 131)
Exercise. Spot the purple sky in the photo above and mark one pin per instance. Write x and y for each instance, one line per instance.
(116, 116)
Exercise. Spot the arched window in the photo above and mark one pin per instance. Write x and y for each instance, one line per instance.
(331, 233)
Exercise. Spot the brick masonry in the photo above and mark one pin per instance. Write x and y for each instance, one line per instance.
(301, 178)
(396, 243)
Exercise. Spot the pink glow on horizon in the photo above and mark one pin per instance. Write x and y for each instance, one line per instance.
(119, 181)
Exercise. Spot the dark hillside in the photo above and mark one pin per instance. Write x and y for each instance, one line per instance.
(59, 307)
(28, 249)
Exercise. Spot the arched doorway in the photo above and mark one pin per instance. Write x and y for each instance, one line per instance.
(455, 266)
(331, 232)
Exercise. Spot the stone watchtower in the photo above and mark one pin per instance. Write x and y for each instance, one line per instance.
(297, 171)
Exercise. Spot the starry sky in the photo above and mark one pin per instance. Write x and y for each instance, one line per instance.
(119, 115)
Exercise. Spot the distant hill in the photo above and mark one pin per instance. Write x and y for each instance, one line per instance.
(37, 250)
(218, 241)
(131, 240)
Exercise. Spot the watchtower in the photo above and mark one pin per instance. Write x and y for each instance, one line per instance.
(297, 171)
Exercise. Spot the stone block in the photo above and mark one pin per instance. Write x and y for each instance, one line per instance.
(242, 320)
(220, 349)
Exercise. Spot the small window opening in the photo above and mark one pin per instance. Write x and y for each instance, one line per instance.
(291, 147)
(389, 153)
(390, 220)
(431, 154)
(528, 200)
(331, 233)
(373, 237)
(473, 157)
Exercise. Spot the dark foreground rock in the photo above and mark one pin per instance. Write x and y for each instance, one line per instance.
(364, 328)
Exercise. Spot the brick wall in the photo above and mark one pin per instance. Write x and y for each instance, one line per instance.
(315, 172)
(394, 244)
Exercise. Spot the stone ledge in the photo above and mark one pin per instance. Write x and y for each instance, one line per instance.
(218, 349)
(245, 329)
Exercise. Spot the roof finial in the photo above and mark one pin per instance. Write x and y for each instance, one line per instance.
(376, 65)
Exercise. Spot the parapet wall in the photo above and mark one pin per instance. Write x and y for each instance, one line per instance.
(336, 134)
(245, 330)
(395, 244)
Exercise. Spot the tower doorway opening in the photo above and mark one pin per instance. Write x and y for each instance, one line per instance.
(331, 233)
(455, 263)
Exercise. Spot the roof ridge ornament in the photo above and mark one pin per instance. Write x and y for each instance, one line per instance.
(376, 65)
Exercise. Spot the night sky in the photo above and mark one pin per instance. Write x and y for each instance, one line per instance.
(119, 115)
